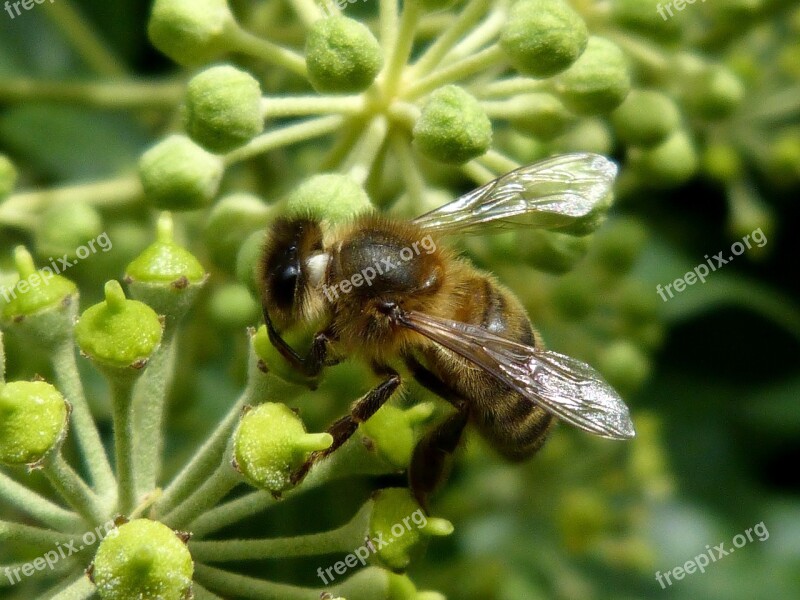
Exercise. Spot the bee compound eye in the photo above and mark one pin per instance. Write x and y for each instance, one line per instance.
(284, 284)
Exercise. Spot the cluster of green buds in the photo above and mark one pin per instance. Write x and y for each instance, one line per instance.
(332, 109)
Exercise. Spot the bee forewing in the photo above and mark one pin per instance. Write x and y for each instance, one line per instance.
(568, 185)
(568, 388)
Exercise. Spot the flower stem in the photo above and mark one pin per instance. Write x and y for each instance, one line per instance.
(387, 17)
(149, 398)
(307, 10)
(366, 584)
(480, 35)
(360, 160)
(293, 106)
(121, 400)
(201, 593)
(283, 137)
(511, 87)
(342, 539)
(110, 192)
(11, 533)
(352, 458)
(83, 424)
(80, 589)
(401, 48)
(74, 490)
(477, 172)
(497, 162)
(455, 72)
(467, 17)
(82, 36)
(211, 452)
(412, 179)
(121, 95)
(38, 507)
(214, 489)
(247, 43)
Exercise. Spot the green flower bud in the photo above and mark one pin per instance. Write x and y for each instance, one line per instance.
(271, 442)
(543, 37)
(248, 262)
(623, 365)
(575, 296)
(177, 174)
(715, 93)
(223, 108)
(232, 306)
(598, 82)
(648, 18)
(722, 162)
(8, 176)
(645, 118)
(783, 158)
(118, 333)
(165, 276)
(33, 418)
(672, 162)
(617, 246)
(402, 588)
(36, 291)
(591, 134)
(62, 228)
(392, 431)
(549, 251)
(333, 197)
(143, 559)
(273, 360)
(583, 515)
(453, 128)
(540, 115)
(638, 305)
(342, 55)
(231, 220)
(191, 32)
(399, 520)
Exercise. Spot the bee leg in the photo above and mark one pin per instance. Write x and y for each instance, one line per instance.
(430, 461)
(361, 410)
(312, 364)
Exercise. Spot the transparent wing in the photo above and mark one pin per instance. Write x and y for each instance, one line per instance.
(550, 193)
(568, 388)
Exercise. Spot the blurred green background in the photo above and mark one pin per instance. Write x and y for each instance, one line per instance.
(712, 376)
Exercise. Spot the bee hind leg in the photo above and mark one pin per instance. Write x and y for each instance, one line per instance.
(343, 428)
(430, 462)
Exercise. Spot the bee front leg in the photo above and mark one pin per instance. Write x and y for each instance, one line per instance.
(361, 410)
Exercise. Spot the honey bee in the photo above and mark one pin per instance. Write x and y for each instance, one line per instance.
(388, 292)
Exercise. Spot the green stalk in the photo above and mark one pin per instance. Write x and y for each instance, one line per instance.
(148, 412)
(83, 424)
(210, 454)
(284, 136)
(214, 489)
(82, 37)
(465, 20)
(46, 538)
(36, 506)
(247, 43)
(80, 588)
(121, 399)
(387, 18)
(342, 539)
(353, 458)
(361, 159)
(456, 72)
(296, 106)
(401, 48)
(118, 95)
(74, 490)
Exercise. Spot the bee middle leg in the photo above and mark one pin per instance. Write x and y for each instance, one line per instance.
(430, 460)
(361, 410)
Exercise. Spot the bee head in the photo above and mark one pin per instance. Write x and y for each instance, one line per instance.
(284, 275)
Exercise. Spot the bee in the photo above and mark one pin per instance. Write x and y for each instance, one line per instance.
(389, 292)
